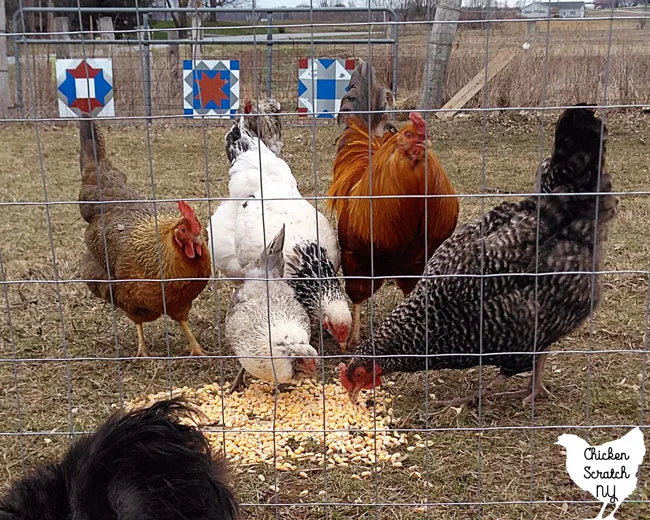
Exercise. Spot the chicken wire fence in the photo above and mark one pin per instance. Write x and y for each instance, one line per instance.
(68, 358)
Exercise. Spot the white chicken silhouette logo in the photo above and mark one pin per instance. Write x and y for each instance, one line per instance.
(608, 471)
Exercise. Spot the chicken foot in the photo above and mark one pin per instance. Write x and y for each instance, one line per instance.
(535, 389)
(142, 346)
(194, 347)
(473, 399)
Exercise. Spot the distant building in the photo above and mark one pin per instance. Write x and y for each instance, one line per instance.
(554, 10)
(536, 10)
(570, 9)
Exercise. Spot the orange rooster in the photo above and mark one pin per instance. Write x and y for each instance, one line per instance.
(402, 240)
(126, 241)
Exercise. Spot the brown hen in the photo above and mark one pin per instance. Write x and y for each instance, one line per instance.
(140, 241)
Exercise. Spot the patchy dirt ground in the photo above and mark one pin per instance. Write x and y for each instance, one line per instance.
(495, 464)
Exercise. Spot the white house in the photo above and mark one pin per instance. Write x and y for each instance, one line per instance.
(536, 10)
(571, 9)
(554, 9)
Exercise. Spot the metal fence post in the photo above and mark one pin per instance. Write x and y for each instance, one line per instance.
(4, 65)
(19, 71)
(146, 69)
(395, 55)
(269, 54)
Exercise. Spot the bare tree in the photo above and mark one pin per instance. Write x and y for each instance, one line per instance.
(181, 20)
(408, 9)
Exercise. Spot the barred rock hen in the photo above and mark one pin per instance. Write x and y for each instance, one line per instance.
(242, 228)
(266, 319)
(264, 122)
(135, 240)
(143, 465)
(520, 315)
(404, 229)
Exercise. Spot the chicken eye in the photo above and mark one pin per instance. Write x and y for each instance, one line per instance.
(408, 135)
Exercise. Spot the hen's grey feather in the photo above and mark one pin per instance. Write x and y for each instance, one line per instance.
(266, 326)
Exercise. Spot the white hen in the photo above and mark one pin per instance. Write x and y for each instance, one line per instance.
(266, 326)
(311, 250)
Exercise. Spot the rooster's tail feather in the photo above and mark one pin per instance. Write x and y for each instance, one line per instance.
(578, 152)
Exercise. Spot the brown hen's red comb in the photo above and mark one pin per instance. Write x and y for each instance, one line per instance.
(418, 122)
(188, 213)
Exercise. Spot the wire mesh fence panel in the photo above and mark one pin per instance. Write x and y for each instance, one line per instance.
(432, 269)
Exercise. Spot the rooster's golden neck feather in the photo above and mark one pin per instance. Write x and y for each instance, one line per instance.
(389, 171)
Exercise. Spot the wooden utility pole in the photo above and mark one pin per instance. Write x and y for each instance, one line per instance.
(50, 17)
(441, 39)
(62, 50)
(106, 28)
(4, 64)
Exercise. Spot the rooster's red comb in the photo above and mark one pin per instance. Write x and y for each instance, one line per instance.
(188, 213)
(418, 122)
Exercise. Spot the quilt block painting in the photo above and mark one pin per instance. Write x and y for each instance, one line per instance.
(322, 83)
(85, 86)
(210, 88)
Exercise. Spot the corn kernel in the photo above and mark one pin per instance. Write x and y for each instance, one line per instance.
(361, 435)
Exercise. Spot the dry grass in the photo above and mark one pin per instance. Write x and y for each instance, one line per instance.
(505, 461)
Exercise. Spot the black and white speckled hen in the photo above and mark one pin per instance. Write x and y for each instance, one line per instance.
(517, 320)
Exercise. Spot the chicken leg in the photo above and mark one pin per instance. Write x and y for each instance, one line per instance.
(238, 383)
(355, 336)
(194, 347)
(536, 388)
(142, 346)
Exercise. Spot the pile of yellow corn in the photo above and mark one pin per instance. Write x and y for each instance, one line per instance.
(312, 422)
